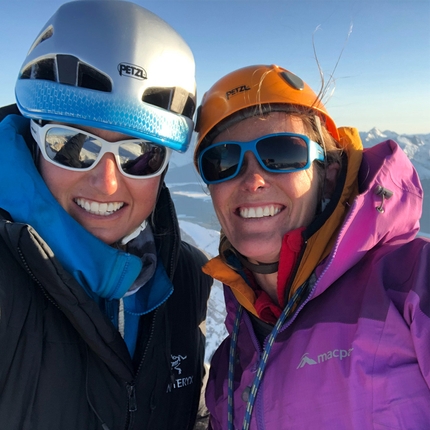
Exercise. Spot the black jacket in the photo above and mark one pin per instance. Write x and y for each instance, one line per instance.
(64, 366)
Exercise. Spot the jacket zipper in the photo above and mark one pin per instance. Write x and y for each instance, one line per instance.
(131, 387)
(131, 391)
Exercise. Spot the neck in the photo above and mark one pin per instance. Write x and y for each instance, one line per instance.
(269, 284)
(266, 275)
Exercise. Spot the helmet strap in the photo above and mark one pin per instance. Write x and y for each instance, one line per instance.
(261, 268)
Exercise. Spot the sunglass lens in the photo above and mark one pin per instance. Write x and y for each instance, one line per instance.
(141, 158)
(71, 149)
(283, 152)
(220, 162)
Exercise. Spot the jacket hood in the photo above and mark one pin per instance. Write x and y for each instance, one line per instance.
(387, 210)
(380, 202)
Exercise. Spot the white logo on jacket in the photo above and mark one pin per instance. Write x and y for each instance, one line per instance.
(177, 361)
(183, 381)
(340, 354)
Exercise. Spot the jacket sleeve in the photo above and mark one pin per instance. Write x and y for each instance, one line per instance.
(406, 277)
(417, 304)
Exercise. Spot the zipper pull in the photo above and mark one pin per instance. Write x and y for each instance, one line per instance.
(132, 404)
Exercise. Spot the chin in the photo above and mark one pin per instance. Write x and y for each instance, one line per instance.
(108, 239)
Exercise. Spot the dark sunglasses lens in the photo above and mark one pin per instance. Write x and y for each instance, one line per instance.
(71, 149)
(283, 152)
(141, 158)
(220, 162)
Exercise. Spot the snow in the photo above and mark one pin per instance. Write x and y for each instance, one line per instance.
(193, 195)
(416, 147)
(207, 240)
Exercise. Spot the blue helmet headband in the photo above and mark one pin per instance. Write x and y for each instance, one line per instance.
(46, 100)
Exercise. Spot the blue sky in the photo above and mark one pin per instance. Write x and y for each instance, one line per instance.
(382, 48)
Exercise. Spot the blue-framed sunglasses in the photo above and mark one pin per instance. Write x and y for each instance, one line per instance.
(276, 153)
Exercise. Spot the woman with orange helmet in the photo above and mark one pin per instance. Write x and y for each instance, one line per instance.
(326, 286)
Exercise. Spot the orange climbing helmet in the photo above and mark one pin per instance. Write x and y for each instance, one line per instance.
(256, 85)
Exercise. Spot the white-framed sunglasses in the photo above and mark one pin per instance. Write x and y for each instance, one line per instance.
(79, 151)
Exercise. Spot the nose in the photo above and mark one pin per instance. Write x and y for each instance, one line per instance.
(105, 176)
(252, 175)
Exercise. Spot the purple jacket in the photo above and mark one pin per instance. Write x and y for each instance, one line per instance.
(356, 353)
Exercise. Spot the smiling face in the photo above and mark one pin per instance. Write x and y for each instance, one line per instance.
(105, 202)
(256, 208)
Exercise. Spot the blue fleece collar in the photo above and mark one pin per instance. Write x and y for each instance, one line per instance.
(99, 268)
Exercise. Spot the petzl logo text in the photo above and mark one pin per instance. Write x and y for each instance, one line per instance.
(236, 91)
(132, 71)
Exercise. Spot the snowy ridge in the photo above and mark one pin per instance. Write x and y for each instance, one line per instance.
(416, 147)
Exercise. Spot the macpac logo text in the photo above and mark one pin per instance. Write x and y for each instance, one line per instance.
(236, 90)
(132, 71)
(339, 354)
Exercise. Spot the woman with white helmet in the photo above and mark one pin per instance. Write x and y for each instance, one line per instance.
(100, 300)
(326, 285)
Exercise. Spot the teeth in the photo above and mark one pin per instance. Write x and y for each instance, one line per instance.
(259, 212)
(103, 209)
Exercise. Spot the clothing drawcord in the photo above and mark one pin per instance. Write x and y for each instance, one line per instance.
(261, 366)
(121, 318)
(103, 424)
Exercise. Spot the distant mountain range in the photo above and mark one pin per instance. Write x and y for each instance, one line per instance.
(416, 147)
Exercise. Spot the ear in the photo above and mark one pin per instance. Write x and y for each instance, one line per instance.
(331, 173)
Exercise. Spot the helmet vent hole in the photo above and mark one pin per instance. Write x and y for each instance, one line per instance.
(92, 79)
(173, 99)
(63, 69)
(44, 69)
(48, 33)
(189, 107)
